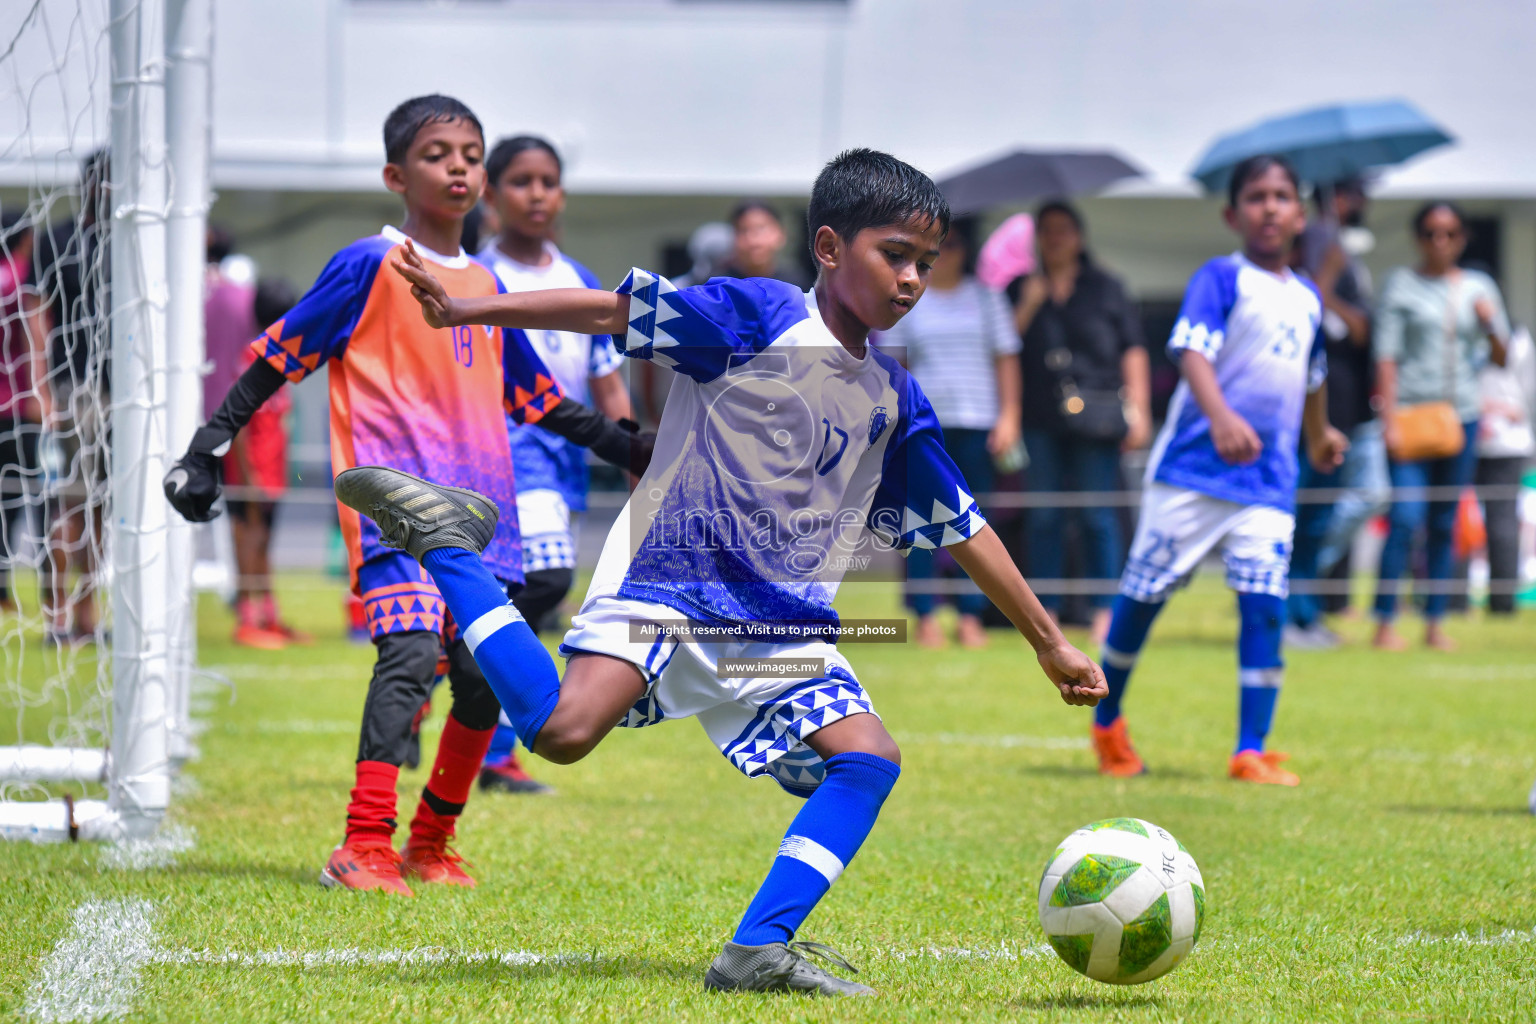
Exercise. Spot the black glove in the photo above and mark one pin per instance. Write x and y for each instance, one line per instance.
(195, 481)
(620, 443)
(641, 444)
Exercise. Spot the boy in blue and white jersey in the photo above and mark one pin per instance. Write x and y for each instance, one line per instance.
(523, 184)
(1222, 474)
(788, 449)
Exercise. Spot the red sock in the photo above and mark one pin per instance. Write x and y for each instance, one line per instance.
(357, 616)
(454, 770)
(245, 611)
(371, 814)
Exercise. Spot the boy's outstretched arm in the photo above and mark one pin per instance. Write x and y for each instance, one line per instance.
(579, 310)
(1326, 444)
(985, 560)
(1234, 437)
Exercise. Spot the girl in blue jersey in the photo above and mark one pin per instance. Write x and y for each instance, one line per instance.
(1222, 473)
(523, 184)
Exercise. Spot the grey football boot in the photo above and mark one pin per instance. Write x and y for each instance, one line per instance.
(781, 967)
(418, 515)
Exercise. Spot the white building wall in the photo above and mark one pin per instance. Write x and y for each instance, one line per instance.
(658, 96)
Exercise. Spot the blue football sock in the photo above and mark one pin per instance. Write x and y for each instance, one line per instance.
(517, 666)
(1260, 669)
(820, 842)
(1129, 624)
(503, 741)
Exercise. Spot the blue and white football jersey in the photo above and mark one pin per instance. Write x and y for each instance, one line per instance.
(542, 460)
(781, 462)
(1262, 333)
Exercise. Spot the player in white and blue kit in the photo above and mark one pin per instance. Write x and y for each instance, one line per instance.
(523, 184)
(789, 450)
(1222, 474)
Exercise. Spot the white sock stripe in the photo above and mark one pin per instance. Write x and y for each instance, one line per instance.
(489, 623)
(1267, 677)
(1119, 659)
(810, 852)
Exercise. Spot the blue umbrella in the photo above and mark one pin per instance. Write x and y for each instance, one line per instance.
(1327, 144)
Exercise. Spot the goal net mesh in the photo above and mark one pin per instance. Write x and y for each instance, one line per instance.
(83, 425)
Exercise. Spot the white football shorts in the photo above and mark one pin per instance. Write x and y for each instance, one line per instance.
(1179, 527)
(759, 723)
(544, 519)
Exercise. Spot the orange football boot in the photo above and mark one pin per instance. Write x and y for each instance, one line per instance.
(433, 860)
(365, 864)
(260, 638)
(1254, 766)
(1116, 755)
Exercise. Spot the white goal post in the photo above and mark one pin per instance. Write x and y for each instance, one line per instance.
(91, 739)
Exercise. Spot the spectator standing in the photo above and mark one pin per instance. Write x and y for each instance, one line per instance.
(758, 243)
(1506, 443)
(1436, 326)
(1087, 398)
(1326, 530)
(256, 467)
(959, 345)
(72, 269)
(23, 364)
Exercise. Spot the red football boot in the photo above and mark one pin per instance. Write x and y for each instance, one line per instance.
(433, 860)
(364, 864)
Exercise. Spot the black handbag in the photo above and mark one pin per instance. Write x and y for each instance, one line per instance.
(1092, 414)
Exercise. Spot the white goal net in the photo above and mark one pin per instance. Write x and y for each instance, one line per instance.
(103, 195)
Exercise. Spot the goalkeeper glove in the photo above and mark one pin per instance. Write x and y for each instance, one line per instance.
(196, 480)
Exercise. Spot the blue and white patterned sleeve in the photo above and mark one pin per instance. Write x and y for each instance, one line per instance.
(697, 330)
(922, 500)
(1317, 361)
(1208, 301)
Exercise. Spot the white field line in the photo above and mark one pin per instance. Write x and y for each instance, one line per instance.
(354, 957)
(955, 739)
(1003, 951)
(158, 851)
(1479, 673)
(280, 674)
(93, 973)
(1507, 937)
(314, 726)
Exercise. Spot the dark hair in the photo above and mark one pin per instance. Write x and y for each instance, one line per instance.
(864, 188)
(220, 244)
(507, 149)
(1254, 167)
(1343, 187)
(95, 166)
(1062, 207)
(747, 206)
(275, 296)
(407, 120)
(1430, 207)
(964, 229)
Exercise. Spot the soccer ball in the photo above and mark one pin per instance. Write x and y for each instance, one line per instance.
(1122, 901)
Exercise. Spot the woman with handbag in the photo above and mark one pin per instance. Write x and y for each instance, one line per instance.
(1087, 398)
(1437, 325)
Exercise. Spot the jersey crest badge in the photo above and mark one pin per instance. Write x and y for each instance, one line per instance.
(878, 421)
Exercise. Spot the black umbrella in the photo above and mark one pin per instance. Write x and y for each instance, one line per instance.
(1023, 175)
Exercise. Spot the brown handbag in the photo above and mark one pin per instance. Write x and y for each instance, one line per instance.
(1433, 430)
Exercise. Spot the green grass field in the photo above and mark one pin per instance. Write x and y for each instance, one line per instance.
(1397, 883)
